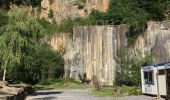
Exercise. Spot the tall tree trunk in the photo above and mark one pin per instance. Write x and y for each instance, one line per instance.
(4, 75)
(5, 68)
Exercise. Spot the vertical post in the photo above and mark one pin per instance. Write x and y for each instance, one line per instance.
(158, 95)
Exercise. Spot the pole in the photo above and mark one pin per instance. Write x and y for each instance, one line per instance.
(158, 95)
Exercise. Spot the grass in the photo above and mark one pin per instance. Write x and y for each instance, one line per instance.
(121, 91)
(67, 85)
(72, 84)
(106, 91)
(19, 85)
(60, 84)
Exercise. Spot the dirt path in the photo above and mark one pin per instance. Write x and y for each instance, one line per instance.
(76, 94)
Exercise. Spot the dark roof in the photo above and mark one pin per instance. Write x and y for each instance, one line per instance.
(155, 65)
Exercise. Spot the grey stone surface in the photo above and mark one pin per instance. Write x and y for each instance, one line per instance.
(155, 41)
(63, 9)
(92, 51)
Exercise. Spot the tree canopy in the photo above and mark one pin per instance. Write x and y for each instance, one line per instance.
(18, 37)
(22, 53)
(6, 3)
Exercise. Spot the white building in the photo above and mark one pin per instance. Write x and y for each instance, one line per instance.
(156, 79)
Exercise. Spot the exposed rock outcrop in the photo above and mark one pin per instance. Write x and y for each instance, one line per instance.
(57, 41)
(92, 51)
(155, 41)
(62, 9)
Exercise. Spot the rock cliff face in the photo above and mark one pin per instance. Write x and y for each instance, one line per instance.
(59, 42)
(156, 41)
(69, 8)
(92, 51)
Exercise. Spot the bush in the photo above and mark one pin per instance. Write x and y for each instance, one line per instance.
(123, 91)
(6, 3)
(66, 26)
(84, 79)
(45, 65)
(80, 3)
(128, 72)
(130, 90)
(51, 28)
(50, 14)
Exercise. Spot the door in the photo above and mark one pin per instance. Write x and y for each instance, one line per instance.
(168, 81)
(148, 89)
(148, 76)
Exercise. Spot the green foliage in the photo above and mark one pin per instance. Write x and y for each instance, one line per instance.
(6, 3)
(60, 84)
(66, 26)
(80, 3)
(50, 28)
(130, 90)
(51, 64)
(134, 13)
(105, 91)
(110, 91)
(24, 57)
(50, 14)
(19, 35)
(3, 18)
(44, 66)
(128, 72)
(83, 78)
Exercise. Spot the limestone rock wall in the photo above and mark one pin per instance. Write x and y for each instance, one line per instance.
(155, 41)
(57, 41)
(92, 51)
(69, 8)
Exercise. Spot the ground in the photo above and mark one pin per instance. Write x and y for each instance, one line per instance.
(77, 94)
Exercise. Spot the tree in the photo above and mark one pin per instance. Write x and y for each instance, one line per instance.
(19, 37)
(3, 18)
(6, 3)
(38, 66)
(50, 63)
(128, 72)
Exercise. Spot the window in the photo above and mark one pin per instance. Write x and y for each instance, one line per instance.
(161, 72)
(148, 76)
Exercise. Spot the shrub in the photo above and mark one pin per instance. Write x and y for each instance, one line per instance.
(45, 65)
(96, 82)
(66, 26)
(50, 14)
(80, 3)
(51, 28)
(83, 78)
(128, 72)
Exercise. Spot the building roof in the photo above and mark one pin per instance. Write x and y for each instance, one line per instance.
(156, 65)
